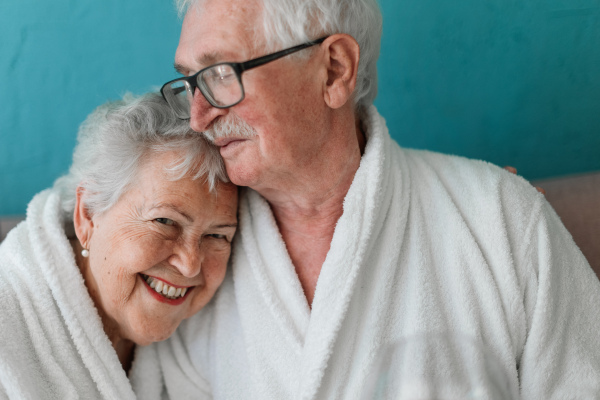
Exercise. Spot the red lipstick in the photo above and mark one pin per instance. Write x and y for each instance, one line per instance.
(163, 299)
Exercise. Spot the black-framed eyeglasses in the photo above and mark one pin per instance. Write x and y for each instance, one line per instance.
(221, 84)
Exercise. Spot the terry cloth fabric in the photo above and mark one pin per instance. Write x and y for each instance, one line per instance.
(52, 343)
(427, 243)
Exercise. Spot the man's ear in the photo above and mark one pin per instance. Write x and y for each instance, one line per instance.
(342, 55)
(82, 219)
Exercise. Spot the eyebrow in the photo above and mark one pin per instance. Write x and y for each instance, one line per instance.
(180, 69)
(226, 226)
(206, 60)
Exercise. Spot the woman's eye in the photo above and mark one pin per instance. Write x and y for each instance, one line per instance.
(217, 236)
(165, 221)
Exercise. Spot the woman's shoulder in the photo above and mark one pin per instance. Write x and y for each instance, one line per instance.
(24, 290)
(15, 255)
(17, 347)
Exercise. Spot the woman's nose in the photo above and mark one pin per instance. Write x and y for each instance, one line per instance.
(188, 259)
(202, 113)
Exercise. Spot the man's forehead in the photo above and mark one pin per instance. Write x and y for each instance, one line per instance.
(237, 17)
(214, 32)
(200, 57)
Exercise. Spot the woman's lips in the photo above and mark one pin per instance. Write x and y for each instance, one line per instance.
(166, 292)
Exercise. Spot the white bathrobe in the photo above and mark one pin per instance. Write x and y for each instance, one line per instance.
(427, 244)
(52, 343)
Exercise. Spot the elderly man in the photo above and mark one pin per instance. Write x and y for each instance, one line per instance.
(348, 243)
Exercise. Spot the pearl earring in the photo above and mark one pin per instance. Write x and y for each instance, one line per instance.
(85, 253)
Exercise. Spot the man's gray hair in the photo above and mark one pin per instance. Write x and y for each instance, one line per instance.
(290, 22)
(117, 137)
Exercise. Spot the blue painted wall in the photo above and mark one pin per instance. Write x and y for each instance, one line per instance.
(511, 82)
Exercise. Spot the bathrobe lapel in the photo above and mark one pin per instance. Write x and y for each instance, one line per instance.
(311, 334)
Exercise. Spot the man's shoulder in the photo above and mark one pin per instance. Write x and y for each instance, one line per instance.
(483, 193)
(467, 177)
(450, 164)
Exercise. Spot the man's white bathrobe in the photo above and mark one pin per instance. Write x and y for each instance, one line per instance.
(52, 342)
(427, 243)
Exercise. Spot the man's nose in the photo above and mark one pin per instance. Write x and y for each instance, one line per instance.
(187, 258)
(202, 113)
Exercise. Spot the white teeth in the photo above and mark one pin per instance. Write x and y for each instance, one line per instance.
(164, 289)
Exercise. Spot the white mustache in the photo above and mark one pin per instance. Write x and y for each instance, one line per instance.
(230, 126)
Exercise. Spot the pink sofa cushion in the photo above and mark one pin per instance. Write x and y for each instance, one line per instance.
(576, 200)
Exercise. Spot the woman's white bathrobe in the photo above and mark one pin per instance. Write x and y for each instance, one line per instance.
(52, 343)
(426, 243)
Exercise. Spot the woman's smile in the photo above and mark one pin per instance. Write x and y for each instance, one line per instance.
(166, 292)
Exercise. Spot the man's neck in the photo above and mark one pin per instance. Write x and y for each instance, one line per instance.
(307, 214)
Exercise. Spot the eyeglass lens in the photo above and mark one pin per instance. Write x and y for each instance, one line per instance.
(179, 95)
(222, 85)
(219, 84)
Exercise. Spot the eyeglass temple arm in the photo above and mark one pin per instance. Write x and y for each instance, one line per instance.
(256, 62)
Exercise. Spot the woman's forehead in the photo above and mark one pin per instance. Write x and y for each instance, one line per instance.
(155, 188)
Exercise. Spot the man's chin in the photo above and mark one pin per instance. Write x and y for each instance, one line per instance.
(241, 174)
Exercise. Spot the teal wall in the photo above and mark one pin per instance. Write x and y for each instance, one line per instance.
(510, 82)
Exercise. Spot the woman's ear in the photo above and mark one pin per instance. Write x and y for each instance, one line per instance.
(82, 219)
(342, 55)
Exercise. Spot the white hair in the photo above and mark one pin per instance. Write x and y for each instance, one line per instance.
(290, 22)
(117, 137)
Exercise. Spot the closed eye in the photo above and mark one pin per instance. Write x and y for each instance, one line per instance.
(217, 236)
(165, 221)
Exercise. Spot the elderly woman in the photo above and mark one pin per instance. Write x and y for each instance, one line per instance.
(134, 239)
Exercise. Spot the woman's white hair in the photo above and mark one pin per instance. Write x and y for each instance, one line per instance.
(290, 22)
(114, 141)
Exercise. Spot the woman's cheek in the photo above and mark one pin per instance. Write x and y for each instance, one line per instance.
(215, 274)
(219, 256)
(145, 253)
(122, 285)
